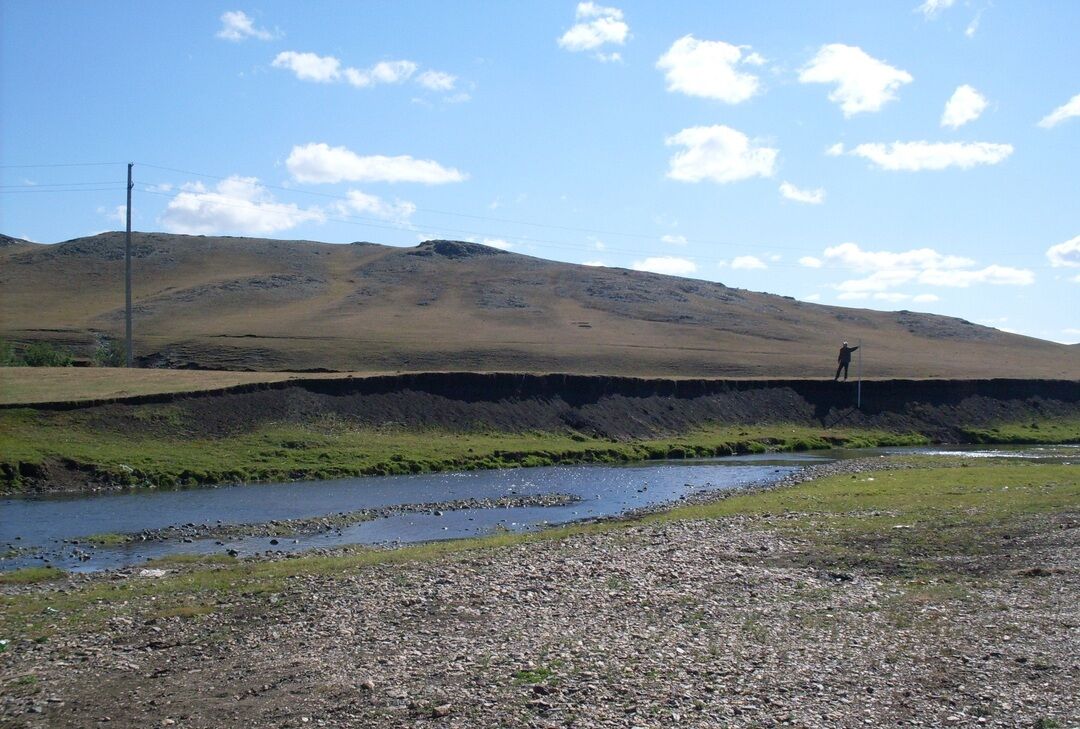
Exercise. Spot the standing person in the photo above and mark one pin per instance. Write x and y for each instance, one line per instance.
(844, 359)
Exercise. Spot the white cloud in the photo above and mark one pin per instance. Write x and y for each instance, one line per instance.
(236, 205)
(973, 27)
(436, 80)
(237, 26)
(852, 296)
(915, 156)
(835, 150)
(667, 265)
(383, 72)
(965, 105)
(499, 243)
(1067, 110)
(674, 240)
(597, 26)
(810, 262)
(327, 69)
(926, 298)
(887, 270)
(720, 154)
(117, 214)
(747, 263)
(593, 263)
(812, 297)
(322, 163)
(850, 255)
(863, 83)
(362, 203)
(998, 275)
(812, 197)
(1065, 254)
(309, 66)
(931, 8)
(709, 69)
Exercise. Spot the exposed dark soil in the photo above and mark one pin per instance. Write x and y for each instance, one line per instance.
(618, 408)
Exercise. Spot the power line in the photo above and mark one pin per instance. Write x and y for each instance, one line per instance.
(77, 189)
(64, 164)
(59, 184)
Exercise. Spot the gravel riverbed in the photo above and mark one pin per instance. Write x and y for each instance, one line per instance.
(727, 622)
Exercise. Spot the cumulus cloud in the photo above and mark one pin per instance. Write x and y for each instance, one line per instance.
(309, 66)
(886, 270)
(323, 163)
(667, 265)
(593, 263)
(398, 211)
(328, 69)
(931, 8)
(720, 154)
(999, 275)
(973, 27)
(597, 26)
(499, 243)
(1067, 110)
(965, 105)
(810, 262)
(237, 26)
(915, 156)
(383, 72)
(709, 69)
(863, 83)
(835, 150)
(674, 240)
(235, 205)
(437, 80)
(812, 197)
(1065, 254)
(850, 255)
(747, 263)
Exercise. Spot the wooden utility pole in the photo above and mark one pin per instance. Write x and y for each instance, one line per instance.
(127, 275)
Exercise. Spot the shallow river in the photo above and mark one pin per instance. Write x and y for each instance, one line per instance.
(38, 531)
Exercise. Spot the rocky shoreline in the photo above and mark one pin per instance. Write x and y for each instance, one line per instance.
(722, 622)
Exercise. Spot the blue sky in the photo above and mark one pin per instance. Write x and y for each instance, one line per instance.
(893, 155)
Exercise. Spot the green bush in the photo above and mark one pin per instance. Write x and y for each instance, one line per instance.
(43, 354)
(8, 358)
(110, 354)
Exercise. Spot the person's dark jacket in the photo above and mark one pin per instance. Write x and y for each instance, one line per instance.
(845, 355)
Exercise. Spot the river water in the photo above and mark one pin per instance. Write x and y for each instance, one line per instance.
(39, 531)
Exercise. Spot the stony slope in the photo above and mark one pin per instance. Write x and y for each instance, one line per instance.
(245, 303)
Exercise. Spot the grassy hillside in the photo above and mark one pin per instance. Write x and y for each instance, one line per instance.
(242, 303)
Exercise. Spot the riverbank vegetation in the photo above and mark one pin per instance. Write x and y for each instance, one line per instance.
(75, 454)
(75, 451)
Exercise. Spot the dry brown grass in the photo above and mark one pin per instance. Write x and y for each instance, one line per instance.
(233, 303)
(26, 385)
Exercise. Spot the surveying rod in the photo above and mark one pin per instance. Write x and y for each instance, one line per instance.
(858, 387)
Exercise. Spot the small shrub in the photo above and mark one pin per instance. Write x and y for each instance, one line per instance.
(43, 354)
(110, 354)
(8, 358)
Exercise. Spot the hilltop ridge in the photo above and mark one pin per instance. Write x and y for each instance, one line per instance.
(219, 302)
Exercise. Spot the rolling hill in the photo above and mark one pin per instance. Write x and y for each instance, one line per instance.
(247, 303)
